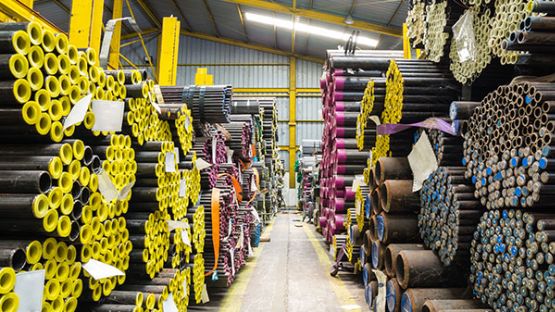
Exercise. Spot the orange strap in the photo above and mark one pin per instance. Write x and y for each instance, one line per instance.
(215, 228)
(236, 186)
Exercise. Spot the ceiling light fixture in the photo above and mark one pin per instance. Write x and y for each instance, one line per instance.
(309, 29)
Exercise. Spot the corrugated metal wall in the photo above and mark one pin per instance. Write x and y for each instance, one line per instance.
(247, 68)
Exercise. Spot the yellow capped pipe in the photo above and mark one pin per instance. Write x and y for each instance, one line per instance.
(70, 304)
(67, 285)
(64, 226)
(74, 93)
(33, 252)
(66, 106)
(34, 31)
(21, 90)
(66, 153)
(7, 280)
(82, 64)
(67, 204)
(50, 63)
(56, 131)
(55, 196)
(69, 130)
(55, 167)
(56, 110)
(74, 73)
(86, 253)
(44, 124)
(42, 97)
(58, 304)
(49, 248)
(65, 85)
(50, 267)
(62, 273)
(50, 221)
(36, 267)
(77, 288)
(9, 302)
(65, 182)
(64, 64)
(62, 43)
(48, 40)
(84, 176)
(40, 206)
(35, 56)
(71, 254)
(74, 169)
(19, 66)
(30, 112)
(52, 85)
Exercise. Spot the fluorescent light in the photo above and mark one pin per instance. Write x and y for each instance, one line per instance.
(309, 29)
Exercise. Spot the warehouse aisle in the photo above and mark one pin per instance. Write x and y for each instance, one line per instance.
(291, 274)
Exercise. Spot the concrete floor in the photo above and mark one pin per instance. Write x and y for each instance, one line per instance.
(289, 273)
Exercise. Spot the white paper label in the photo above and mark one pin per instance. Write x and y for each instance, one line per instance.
(170, 162)
(106, 187)
(380, 302)
(108, 115)
(185, 238)
(214, 145)
(240, 174)
(332, 252)
(241, 240)
(182, 188)
(255, 214)
(375, 119)
(124, 192)
(29, 287)
(176, 151)
(202, 164)
(77, 113)
(156, 107)
(172, 225)
(204, 295)
(253, 185)
(422, 161)
(169, 304)
(99, 270)
(187, 122)
(232, 254)
(158, 93)
(251, 253)
(229, 152)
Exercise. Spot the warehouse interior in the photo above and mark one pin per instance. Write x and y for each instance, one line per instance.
(277, 155)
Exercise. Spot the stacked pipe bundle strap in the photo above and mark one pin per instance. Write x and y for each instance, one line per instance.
(512, 260)
(141, 119)
(42, 77)
(449, 214)
(507, 146)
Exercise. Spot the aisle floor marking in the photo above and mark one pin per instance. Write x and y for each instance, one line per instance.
(234, 297)
(346, 299)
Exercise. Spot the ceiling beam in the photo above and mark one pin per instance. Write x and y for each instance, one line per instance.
(321, 16)
(212, 19)
(153, 18)
(185, 21)
(242, 19)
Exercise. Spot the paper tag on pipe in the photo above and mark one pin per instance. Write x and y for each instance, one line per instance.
(158, 93)
(229, 153)
(99, 270)
(187, 122)
(241, 240)
(232, 254)
(108, 115)
(202, 164)
(251, 253)
(422, 161)
(170, 162)
(185, 237)
(173, 224)
(253, 185)
(255, 214)
(375, 119)
(182, 188)
(168, 305)
(125, 190)
(176, 152)
(156, 107)
(29, 287)
(214, 145)
(379, 305)
(204, 295)
(77, 113)
(106, 187)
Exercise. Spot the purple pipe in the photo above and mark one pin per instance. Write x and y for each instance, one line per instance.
(341, 205)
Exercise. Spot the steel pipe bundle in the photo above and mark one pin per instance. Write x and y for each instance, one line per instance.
(372, 104)
(240, 140)
(215, 148)
(41, 77)
(210, 104)
(460, 112)
(512, 260)
(416, 22)
(184, 128)
(449, 214)
(506, 148)
(440, 18)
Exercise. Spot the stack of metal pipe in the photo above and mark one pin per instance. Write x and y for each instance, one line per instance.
(240, 139)
(535, 36)
(512, 260)
(42, 78)
(507, 146)
(416, 22)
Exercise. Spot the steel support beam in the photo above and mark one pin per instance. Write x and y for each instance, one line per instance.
(168, 51)
(115, 44)
(321, 16)
(14, 10)
(85, 25)
(292, 119)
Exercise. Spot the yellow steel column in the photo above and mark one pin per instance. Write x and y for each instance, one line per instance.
(168, 48)
(85, 25)
(406, 42)
(117, 12)
(292, 119)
